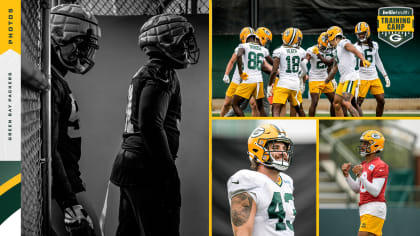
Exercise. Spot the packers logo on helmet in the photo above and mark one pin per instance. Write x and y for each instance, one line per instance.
(265, 35)
(323, 41)
(333, 32)
(245, 32)
(362, 31)
(292, 37)
(375, 142)
(258, 143)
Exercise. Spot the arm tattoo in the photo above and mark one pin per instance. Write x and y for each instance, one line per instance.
(240, 208)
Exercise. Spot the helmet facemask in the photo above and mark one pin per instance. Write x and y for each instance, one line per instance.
(365, 147)
(271, 156)
(362, 36)
(77, 54)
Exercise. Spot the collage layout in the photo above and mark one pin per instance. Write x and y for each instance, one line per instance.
(209, 117)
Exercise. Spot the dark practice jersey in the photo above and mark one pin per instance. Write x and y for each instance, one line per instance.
(151, 125)
(66, 140)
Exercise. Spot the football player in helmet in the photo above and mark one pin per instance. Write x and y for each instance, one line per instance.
(151, 133)
(369, 80)
(236, 79)
(255, 195)
(289, 60)
(317, 55)
(371, 179)
(251, 56)
(74, 41)
(345, 63)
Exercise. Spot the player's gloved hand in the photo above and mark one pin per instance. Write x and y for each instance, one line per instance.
(269, 90)
(345, 169)
(387, 81)
(334, 84)
(226, 79)
(357, 170)
(76, 219)
(315, 50)
(366, 63)
(244, 76)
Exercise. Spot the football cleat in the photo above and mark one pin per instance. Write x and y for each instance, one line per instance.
(74, 36)
(333, 32)
(375, 141)
(362, 31)
(265, 36)
(245, 32)
(172, 37)
(258, 150)
(292, 37)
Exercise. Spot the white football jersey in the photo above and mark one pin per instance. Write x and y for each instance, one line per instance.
(275, 203)
(346, 61)
(236, 78)
(290, 63)
(370, 54)
(318, 71)
(253, 59)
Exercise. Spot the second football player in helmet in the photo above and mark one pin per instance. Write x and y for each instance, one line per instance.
(151, 133)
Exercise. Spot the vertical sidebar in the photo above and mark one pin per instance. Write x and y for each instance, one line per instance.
(10, 126)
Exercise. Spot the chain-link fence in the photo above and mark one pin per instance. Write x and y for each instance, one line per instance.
(143, 7)
(34, 169)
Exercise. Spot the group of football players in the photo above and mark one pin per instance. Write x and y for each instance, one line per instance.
(288, 72)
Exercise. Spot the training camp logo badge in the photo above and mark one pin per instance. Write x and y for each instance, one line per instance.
(395, 25)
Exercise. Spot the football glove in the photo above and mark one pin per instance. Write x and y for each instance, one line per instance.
(387, 81)
(76, 219)
(226, 79)
(315, 50)
(269, 90)
(366, 63)
(244, 76)
(334, 84)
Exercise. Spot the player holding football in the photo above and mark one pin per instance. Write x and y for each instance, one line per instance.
(345, 63)
(251, 56)
(317, 56)
(74, 41)
(145, 167)
(289, 60)
(369, 79)
(261, 200)
(372, 176)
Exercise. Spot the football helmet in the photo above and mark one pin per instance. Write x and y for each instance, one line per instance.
(258, 149)
(265, 36)
(292, 37)
(333, 32)
(362, 28)
(375, 141)
(323, 41)
(172, 37)
(74, 37)
(245, 32)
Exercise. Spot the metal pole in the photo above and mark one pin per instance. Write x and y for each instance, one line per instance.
(46, 115)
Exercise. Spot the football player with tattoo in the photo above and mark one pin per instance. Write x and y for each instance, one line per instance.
(145, 169)
(369, 79)
(345, 62)
(74, 41)
(236, 80)
(258, 196)
(251, 57)
(371, 179)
